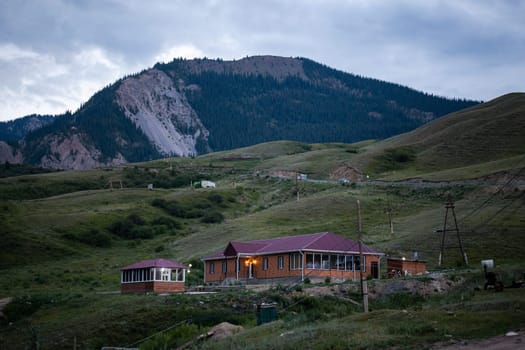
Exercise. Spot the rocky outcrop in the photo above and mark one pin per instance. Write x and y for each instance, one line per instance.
(276, 67)
(9, 154)
(161, 110)
(72, 153)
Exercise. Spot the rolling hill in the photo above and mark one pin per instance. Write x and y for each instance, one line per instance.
(66, 234)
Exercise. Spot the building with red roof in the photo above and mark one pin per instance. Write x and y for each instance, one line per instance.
(313, 256)
(155, 276)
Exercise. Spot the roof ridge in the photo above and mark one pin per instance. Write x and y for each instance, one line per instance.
(321, 235)
(264, 247)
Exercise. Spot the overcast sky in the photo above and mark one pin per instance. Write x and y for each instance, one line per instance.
(54, 54)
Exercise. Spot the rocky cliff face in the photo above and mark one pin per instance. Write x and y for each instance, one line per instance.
(9, 154)
(158, 107)
(74, 152)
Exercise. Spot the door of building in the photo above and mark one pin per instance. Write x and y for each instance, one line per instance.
(374, 267)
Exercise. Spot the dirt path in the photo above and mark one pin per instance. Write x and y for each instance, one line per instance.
(509, 341)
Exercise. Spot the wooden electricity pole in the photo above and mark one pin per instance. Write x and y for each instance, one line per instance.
(297, 185)
(390, 221)
(364, 287)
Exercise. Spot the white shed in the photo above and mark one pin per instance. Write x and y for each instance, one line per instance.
(207, 184)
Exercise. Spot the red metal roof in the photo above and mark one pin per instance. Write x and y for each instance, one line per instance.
(154, 263)
(322, 241)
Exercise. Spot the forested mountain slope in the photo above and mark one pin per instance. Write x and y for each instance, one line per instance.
(190, 107)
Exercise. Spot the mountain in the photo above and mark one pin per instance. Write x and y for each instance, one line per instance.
(190, 107)
(17, 129)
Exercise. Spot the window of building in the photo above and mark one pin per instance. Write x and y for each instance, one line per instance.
(165, 274)
(280, 262)
(212, 268)
(265, 263)
(357, 263)
(348, 262)
(224, 266)
(177, 275)
(334, 262)
(296, 261)
(325, 262)
(309, 261)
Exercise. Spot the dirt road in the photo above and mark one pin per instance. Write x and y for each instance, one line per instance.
(509, 341)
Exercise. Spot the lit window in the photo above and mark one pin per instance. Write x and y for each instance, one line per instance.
(166, 274)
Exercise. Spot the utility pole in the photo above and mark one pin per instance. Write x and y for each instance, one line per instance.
(364, 287)
(450, 206)
(389, 212)
(297, 185)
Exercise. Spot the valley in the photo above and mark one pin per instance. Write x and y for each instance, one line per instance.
(66, 234)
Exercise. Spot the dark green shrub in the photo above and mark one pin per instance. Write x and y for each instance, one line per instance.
(196, 275)
(400, 301)
(92, 237)
(130, 228)
(216, 198)
(173, 207)
(168, 222)
(213, 217)
(174, 338)
(24, 306)
(393, 159)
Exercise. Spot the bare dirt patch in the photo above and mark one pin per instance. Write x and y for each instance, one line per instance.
(348, 172)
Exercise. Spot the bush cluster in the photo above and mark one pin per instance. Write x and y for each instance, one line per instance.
(203, 209)
(92, 237)
(135, 227)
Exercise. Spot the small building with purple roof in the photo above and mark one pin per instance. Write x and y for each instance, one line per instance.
(313, 256)
(153, 276)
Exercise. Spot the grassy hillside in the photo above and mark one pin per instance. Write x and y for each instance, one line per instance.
(66, 234)
(492, 131)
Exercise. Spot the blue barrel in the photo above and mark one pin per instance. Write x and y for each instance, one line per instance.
(266, 313)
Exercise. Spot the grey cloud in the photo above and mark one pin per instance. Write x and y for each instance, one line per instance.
(454, 48)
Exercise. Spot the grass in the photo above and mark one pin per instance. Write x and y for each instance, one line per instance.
(60, 256)
(409, 328)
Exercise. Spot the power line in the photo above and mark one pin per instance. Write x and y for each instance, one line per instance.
(498, 212)
(494, 194)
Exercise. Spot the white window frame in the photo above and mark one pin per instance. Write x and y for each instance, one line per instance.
(296, 261)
